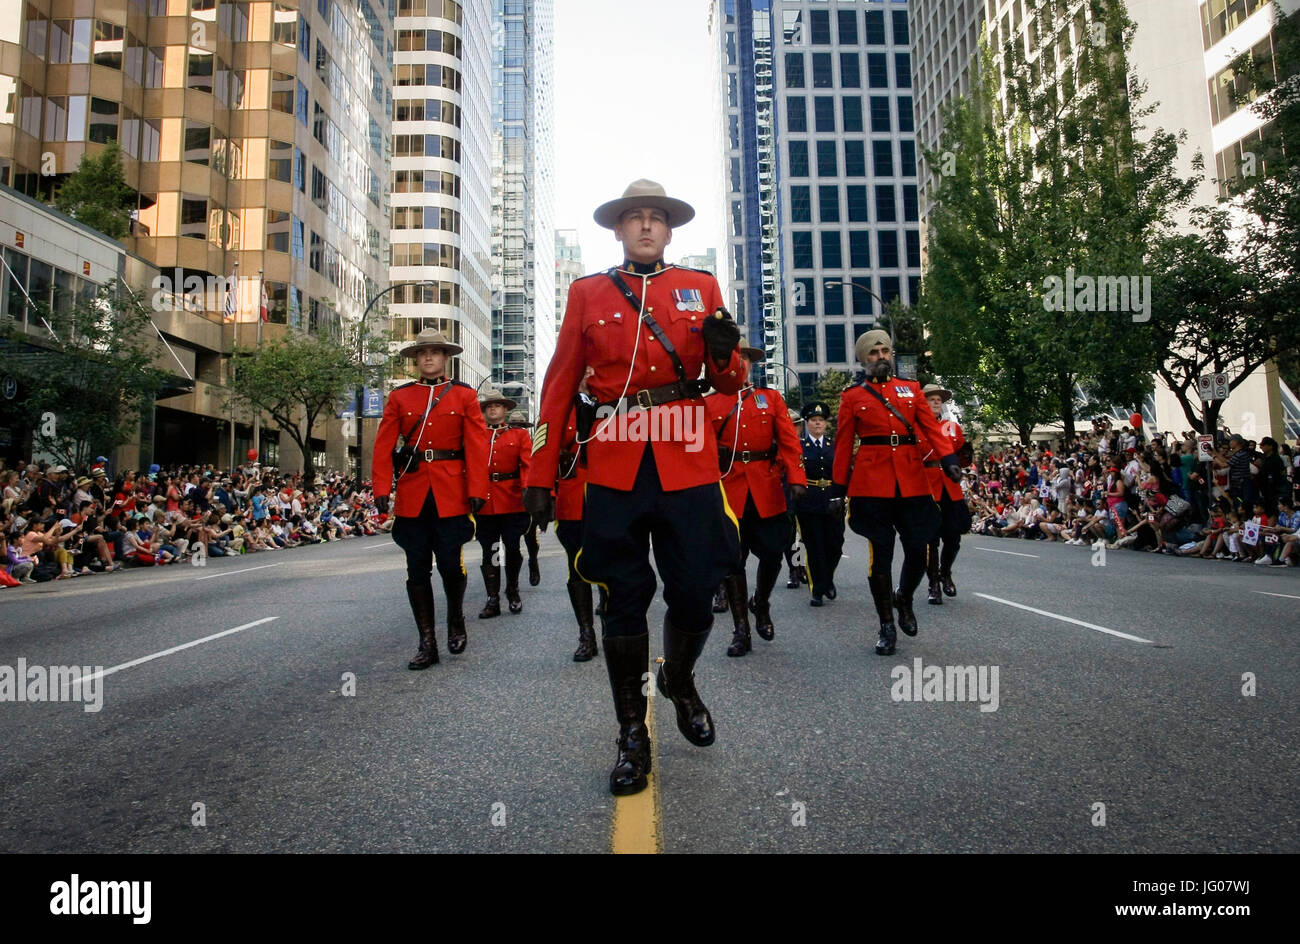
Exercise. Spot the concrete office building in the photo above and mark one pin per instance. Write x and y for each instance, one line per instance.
(1182, 50)
(254, 134)
(820, 168)
(568, 268)
(441, 176)
(523, 237)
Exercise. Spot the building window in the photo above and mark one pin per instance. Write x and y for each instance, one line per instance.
(824, 113)
(848, 23)
(796, 113)
(886, 209)
(108, 45)
(882, 154)
(280, 162)
(801, 251)
(823, 77)
(903, 69)
(278, 228)
(852, 105)
(802, 300)
(794, 74)
(889, 288)
(850, 70)
(835, 349)
(828, 204)
(832, 299)
(283, 86)
(855, 160)
(805, 342)
(905, 122)
(875, 27)
(36, 36)
(792, 27)
(900, 27)
(887, 247)
(910, 211)
(857, 201)
(907, 158)
(198, 142)
(302, 104)
(800, 205)
(103, 120)
(194, 216)
(827, 166)
(832, 249)
(880, 114)
(860, 249)
(877, 70)
(798, 158)
(912, 240)
(819, 27)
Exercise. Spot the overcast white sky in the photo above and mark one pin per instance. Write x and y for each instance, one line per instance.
(633, 99)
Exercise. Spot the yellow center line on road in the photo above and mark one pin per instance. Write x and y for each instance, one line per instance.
(637, 818)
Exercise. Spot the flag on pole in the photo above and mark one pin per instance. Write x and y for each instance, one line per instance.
(265, 309)
(231, 309)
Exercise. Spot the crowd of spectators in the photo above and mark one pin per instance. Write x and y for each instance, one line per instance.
(1158, 496)
(58, 524)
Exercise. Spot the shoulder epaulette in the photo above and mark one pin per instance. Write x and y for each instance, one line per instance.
(409, 383)
(461, 383)
(583, 278)
(697, 271)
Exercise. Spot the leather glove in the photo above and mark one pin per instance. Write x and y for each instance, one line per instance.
(539, 503)
(798, 491)
(721, 335)
(475, 504)
(951, 469)
(381, 504)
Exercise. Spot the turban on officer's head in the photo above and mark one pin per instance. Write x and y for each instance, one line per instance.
(869, 340)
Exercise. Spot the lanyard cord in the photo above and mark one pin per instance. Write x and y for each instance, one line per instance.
(640, 315)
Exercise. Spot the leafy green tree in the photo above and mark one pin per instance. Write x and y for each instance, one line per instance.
(828, 389)
(97, 193)
(296, 380)
(84, 381)
(1061, 181)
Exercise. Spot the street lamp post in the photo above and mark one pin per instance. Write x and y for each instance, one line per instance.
(868, 290)
(361, 336)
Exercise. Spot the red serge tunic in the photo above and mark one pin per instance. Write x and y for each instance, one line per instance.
(455, 424)
(940, 483)
(763, 420)
(877, 470)
(508, 451)
(601, 330)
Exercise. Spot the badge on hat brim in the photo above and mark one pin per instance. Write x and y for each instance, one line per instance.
(688, 299)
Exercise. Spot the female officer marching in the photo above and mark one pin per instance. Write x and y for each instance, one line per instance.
(441, 483)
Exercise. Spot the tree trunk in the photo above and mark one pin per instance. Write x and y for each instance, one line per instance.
(1067, 407)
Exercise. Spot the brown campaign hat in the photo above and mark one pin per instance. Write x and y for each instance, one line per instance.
(943, 392)
(755, 354)
(644, 193)
(493, 395)
(430, 337)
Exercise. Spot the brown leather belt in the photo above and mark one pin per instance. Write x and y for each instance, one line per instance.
(503, 476)
(820, 483)
(747, 455)
(933, 464)
(440, 455)
(658, 396)
(893, 439)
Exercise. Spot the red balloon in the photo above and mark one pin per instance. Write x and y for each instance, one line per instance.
(252, 455)
(1135, 420)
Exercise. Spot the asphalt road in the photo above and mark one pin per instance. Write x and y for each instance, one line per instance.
(254, 742)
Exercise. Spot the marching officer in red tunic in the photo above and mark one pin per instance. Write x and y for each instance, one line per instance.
(886, 483)
(519, 420)
(441, 482)
(954, 516)
(757, 446)
(646, 329)
(503, 517)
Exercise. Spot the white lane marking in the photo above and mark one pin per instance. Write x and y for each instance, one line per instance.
(188, 645)
(1283, 595)
(992, 550)
(245, 570)
(379, 546)
(1066, 619)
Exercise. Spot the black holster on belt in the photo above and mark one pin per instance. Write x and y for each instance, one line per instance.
(404, 457)
(585, 405)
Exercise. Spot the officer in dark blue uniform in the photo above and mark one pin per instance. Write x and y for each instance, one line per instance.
(820, 516)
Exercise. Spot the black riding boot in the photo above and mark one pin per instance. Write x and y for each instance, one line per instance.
(880, 593)
(950, 549)
(935, 597)
(580, 597)
(421, 596)
(530, 542)
(677, 683)
(908, 580)
(760, 606)
(720, 599)
(627, 659)
(492, 581)
(734, 586)
(513, 565)
(454, 587)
